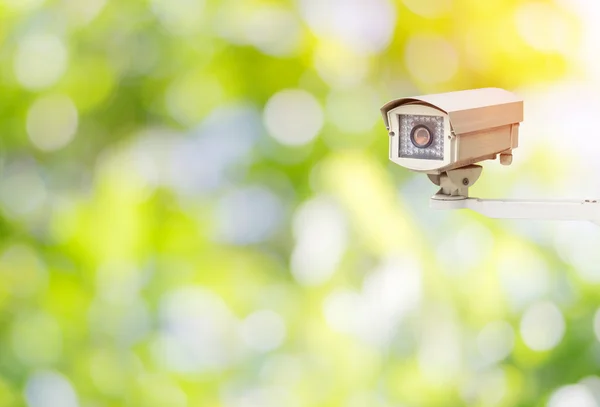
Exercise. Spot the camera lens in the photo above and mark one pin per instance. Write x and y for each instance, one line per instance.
(421, 136)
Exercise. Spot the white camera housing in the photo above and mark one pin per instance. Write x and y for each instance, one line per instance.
(443, 135)
(441, 132)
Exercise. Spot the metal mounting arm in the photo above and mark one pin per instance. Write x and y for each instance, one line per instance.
(585, 210)
(454, 194)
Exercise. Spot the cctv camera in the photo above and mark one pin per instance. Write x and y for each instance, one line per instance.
(437, 133)
(443, 135)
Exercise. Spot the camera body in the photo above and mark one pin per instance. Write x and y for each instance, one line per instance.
(444, 135)
(441, 132)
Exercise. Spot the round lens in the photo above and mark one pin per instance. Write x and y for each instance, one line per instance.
(421, 137)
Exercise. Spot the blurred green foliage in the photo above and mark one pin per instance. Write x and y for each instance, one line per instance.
(197, 210)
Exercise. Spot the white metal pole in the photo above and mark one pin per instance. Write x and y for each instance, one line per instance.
(585, 210)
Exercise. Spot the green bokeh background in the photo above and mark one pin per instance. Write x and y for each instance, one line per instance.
(166, 239)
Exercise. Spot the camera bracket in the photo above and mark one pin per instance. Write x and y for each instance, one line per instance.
(454, 194)
(455, 183)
